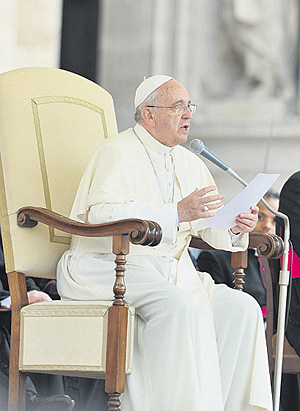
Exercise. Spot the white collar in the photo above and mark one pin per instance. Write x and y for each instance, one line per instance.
(150, 142)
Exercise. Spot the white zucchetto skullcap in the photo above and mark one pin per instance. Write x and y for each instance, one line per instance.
(148, 86)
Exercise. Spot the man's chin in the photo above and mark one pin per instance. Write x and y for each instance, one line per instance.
(182, 138)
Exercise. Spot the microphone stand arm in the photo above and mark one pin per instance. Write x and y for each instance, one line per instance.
(236, 176)
(283, 284)
(198, 147)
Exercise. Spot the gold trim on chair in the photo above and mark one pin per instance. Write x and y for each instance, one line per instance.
(35, 102)
(5, 227)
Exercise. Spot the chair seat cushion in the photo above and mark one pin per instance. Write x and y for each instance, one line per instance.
(68, 338)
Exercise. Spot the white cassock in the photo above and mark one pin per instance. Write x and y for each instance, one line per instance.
(198, 346)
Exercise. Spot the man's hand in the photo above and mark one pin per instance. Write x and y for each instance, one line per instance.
(35, 296)
(246, 222)
(191, 207)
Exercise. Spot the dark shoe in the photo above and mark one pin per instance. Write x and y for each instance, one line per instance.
(53, 403)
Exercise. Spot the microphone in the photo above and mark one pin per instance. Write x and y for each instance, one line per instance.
(198, 147)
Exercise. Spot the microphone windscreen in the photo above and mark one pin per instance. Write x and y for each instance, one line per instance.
(196, 146)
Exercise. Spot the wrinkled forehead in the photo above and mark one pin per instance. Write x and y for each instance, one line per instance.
(171, 93)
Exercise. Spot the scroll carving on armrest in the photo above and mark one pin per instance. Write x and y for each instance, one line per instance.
(267, 245)
(141, 232)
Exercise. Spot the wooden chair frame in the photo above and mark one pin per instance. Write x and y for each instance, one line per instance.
(124, 232)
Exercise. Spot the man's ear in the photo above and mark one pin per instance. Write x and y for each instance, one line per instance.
(147, 116)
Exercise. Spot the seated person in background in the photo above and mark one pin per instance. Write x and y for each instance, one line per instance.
(38, 289)
(218, 263)
(198, 346)
(40, 388)
(289, 204)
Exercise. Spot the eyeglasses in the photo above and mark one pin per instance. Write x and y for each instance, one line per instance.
(180, 108)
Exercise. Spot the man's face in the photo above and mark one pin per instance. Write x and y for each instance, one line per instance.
(266, 223)
(170, 128)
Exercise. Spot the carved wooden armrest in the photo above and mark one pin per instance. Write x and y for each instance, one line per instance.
(141, 232)
(136, 231)
(267, 245)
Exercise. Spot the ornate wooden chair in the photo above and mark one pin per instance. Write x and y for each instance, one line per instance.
(51, 123)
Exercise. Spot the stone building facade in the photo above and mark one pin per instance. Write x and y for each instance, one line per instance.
(237, 58)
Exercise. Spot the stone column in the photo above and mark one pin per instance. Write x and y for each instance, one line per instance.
(29, 33)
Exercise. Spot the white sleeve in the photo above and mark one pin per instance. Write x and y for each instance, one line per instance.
(223, 240)
(163, 214)
(235, 238)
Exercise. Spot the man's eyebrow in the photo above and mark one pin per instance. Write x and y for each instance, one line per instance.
(262, 213)
(180, 102)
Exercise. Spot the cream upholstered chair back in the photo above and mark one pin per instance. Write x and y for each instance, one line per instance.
(51, 122)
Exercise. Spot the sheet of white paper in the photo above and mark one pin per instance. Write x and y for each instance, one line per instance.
(255, 190)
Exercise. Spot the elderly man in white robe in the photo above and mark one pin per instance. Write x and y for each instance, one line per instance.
(198, 346)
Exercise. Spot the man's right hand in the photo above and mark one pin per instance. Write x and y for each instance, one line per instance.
(191, 207)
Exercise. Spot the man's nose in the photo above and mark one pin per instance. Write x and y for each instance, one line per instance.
(269, 225)
(187, 114)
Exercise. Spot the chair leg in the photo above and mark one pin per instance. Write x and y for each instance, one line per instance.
(116, 355)
(114, 402)
(117, 329)
(17, 392)
(239, 262)
(17, 380)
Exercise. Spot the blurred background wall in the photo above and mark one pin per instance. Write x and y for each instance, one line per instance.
(239, 60)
